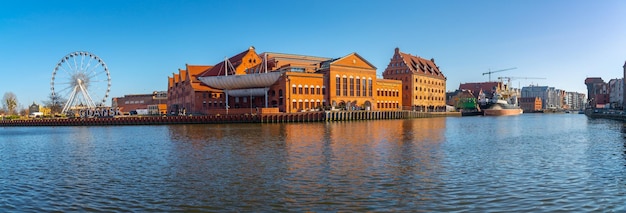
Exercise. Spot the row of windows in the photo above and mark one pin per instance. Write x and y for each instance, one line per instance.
(306, 105)
(429, 98)
(214, 104)
(133, 102)
(431, 82)
(363, 87)
(306, 90)
(424, 89)
(438, 83)
(388, 93)
(387, 105)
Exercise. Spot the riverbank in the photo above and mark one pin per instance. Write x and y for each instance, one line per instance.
(321, 116)
(606, 114)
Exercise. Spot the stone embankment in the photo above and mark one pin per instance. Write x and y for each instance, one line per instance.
(606, 114)
(321, 116)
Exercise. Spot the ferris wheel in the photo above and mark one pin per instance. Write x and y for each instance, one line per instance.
(81, 80)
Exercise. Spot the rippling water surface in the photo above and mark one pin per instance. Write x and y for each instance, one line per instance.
(527, 163)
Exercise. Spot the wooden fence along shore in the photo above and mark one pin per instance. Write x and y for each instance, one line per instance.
(321, 116)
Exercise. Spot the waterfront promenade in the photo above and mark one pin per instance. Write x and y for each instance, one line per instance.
(317, 116)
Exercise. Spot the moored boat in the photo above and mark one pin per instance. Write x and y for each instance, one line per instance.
(502, 108)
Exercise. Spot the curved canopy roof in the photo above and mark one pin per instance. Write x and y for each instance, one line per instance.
(230, 82)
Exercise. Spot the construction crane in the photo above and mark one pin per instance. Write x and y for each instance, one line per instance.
(514, 78)
(495, 71)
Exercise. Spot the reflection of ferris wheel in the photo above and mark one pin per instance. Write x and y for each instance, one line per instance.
(81, 80)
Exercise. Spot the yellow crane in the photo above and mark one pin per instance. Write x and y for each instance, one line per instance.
(495, 71)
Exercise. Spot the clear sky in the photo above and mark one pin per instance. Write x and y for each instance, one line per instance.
(145, 41)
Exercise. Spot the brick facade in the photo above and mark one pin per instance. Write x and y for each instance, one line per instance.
(423, 84)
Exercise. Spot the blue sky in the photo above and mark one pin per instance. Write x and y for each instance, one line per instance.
(144, 42)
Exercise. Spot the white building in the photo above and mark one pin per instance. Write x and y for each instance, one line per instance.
(616, 93)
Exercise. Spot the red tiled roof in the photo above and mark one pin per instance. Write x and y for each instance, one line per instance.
(486, 87)
(420, 65)
(260, 68)
(182, 75)
(176, 77)
(218, 69)
(194, 71)
(593, 80)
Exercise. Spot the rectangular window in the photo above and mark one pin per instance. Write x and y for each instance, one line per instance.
(300, 90)
(364, 87)
(369, 86)
(351, 86)
(318, 91)
(358, 87)
(294, 90)
(323, 90)
(345, 86)
(338, 86)
(306, 90)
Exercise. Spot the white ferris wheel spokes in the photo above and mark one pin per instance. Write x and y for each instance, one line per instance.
(80, 80)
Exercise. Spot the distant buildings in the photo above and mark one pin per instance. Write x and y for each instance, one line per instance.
(530, 98)
(598, 92)
(616, 93)
(153, 104)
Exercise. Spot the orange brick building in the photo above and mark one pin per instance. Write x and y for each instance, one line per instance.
(276, 82)
(423, 84)
(186, 94)
(154, 103)
(530, 104)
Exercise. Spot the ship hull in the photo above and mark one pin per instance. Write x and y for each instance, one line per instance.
(502, 112)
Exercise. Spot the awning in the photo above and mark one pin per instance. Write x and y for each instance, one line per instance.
(232, 82)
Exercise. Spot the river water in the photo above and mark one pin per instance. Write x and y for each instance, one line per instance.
(527, 163)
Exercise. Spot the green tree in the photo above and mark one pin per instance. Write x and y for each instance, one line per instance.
(9, 102)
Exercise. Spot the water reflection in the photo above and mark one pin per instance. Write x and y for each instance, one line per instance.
(475, 164)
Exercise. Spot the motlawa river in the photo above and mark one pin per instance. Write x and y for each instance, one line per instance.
(526, 163)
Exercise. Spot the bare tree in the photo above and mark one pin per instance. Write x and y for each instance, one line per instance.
(9, 102)
(54, 103)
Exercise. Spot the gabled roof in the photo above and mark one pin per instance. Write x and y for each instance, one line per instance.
(182, 74)
(420, 65)
(176, 78)
(354, 54)
(476, 88)
(593, 80)
(218, 69)
(193, 71)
